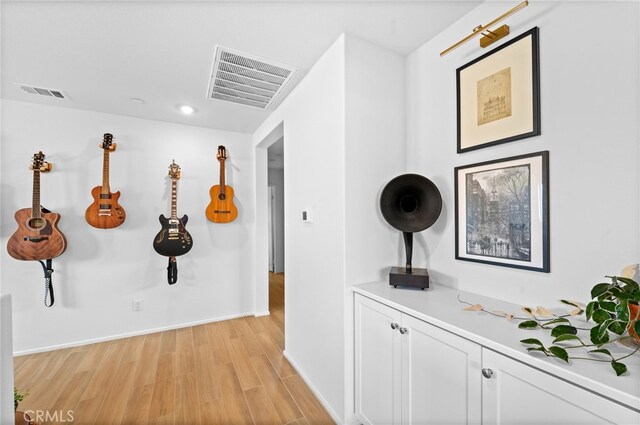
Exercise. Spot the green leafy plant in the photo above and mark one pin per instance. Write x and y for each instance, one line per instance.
(608, 310)
(18, 397)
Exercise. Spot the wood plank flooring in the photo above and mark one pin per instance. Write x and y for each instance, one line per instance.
(230, 372)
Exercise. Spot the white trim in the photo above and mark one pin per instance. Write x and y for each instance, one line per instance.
(128, 335)
(313, 389)
(264, 313)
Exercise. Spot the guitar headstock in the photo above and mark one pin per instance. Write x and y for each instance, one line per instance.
(174, 171)
(107, 142)
(222, 153)
(38, 163)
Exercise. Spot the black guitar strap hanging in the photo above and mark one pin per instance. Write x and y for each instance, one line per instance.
(172, 271)
(48, 281)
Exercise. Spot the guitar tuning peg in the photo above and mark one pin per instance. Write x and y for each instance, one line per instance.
(112, 147)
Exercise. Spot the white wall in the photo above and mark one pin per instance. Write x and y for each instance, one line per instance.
(589, 101)
(344, 139)
(276, 179)
(102, 271)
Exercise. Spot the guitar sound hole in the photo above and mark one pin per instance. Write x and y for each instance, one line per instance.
(36, 223)
(222, 196)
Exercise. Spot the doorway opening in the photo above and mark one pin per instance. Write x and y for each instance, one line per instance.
(275, 182)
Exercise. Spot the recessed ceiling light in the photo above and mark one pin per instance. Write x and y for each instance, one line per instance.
(186, 109)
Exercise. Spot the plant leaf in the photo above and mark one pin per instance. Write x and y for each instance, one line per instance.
(600, 316)
(558, 320)
(529, 324)
(636, 327)
(573, 303)
(599, 289)
(620, 368)
(622, 310)
(532, 341)
(559, 352)
(603, 351)
(566, 337)
(630, 282)
(618, 327)
(629, 271)
(563, 329)
(591, 307)
(542, 349)
(528, 311)
(608, 306)
(596, 337)
(475, 307)
(543, 312)
(576, 312)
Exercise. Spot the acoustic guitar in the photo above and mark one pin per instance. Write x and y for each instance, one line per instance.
(173, 239)
(221, 209)
(105, 212)
(37, 237)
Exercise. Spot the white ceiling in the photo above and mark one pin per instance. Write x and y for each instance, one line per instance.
(102, 54)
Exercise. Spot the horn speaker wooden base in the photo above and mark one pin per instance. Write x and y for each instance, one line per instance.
(416, 278)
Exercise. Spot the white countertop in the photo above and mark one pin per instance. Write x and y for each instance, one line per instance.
(439, 306)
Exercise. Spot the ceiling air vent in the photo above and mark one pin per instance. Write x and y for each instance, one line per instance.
(42, 91)
(241, 78)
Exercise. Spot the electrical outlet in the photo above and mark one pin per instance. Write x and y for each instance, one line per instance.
(137, 305)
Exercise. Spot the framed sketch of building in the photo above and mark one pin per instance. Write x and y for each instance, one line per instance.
(498, 95)
(502, 212)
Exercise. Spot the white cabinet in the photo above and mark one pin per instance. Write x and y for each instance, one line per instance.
(411, 372)
(408, 371)
(519, 394)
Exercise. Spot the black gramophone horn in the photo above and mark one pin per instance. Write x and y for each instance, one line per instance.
(410, 203)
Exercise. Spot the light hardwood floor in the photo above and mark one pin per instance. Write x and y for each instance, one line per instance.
(230, 372)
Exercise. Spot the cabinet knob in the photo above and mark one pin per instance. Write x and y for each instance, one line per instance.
(487, 373)
(395, 326)
(403, 330)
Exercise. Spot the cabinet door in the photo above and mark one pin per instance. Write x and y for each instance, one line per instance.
(377, 353)
(519, 394)
(441, 376)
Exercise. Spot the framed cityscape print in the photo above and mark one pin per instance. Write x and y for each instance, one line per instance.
(502, 212)
(498, 95)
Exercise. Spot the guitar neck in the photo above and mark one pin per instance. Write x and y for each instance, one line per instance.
(222, 182)
(35, 204)
(105, 173)
(174, 199)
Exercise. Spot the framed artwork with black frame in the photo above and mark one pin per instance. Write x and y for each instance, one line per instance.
(498, 94)
(502, 212)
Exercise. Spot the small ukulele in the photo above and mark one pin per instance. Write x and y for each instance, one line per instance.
(173, 239)
(37, 237)
(221, 208)
(105, 212)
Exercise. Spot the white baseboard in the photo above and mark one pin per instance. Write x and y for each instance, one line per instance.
(264, 313)
(313, 389)
(128, 335)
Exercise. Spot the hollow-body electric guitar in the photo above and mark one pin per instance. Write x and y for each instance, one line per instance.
(173, 239)
(221, 209)
(105, 212)
(37, 237)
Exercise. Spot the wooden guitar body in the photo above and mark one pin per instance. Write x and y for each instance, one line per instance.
(173, 239)
(36, 238)
(105, 212)
(221, 209)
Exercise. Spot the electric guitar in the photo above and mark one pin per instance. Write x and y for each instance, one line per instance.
(221, 208)
(105, 212)
(37, 237)
(173, 239)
